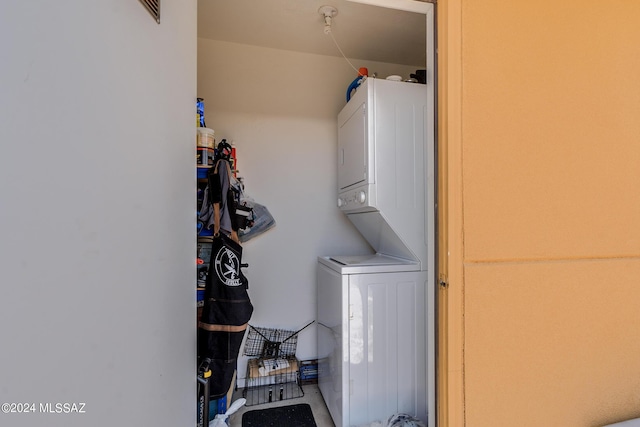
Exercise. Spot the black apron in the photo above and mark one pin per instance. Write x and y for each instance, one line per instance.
(225, 314)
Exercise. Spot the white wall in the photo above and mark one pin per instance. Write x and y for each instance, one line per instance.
(280, 108)
(97, 301)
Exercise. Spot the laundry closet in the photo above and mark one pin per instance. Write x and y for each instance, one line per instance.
(278, 107)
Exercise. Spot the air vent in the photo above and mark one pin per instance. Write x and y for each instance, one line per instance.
(153, 6)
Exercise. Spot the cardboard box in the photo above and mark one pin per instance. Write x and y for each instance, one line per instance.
(254, 366)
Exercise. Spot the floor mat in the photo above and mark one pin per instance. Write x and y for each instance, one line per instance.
(282, 416)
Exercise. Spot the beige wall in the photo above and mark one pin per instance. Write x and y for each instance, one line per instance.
(541, 123)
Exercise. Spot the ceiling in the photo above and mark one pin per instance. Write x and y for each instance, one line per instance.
(362, 31)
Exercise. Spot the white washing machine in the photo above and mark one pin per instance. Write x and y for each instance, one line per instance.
(372, 338)
(375, 311)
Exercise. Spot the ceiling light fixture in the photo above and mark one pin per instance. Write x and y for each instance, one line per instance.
(328, 12)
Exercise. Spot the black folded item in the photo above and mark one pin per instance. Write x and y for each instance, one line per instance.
(225, 313)
(420, 76)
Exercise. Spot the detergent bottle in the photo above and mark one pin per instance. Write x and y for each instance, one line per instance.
(363, 73)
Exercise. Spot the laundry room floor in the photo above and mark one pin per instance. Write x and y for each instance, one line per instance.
(311, 396)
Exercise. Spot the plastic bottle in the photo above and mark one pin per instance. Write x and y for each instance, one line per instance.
(363, 73)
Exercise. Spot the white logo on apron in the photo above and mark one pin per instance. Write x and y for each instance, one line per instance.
(227, 267)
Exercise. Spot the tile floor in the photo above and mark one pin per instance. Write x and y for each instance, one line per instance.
(311, 396)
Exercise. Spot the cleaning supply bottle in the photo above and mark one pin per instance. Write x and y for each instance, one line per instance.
(363, 73)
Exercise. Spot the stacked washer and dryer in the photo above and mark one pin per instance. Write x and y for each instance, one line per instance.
(375, 311)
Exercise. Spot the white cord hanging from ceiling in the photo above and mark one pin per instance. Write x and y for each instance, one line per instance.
(328, 12)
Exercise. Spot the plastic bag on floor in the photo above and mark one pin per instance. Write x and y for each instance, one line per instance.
(403, 420)
(221, 419)
(398, 420)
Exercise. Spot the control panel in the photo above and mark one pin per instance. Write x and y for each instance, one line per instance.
(361, 199)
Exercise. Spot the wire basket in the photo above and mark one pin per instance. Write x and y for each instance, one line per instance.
(272, 373)
(266, 342)
(270, 343)
(271, 380)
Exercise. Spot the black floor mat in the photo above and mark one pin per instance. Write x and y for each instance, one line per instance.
(282, 416)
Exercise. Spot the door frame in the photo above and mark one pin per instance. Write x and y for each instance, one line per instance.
(450, 242)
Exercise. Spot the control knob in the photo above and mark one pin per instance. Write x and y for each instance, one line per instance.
(361, 197)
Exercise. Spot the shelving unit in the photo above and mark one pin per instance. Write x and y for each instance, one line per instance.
(205, 160)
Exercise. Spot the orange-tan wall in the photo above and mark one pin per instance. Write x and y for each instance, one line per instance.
(540, 129)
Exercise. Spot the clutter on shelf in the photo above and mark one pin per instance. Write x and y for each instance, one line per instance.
(224, 307)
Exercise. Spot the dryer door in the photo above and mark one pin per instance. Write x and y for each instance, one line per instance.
(352, 146)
